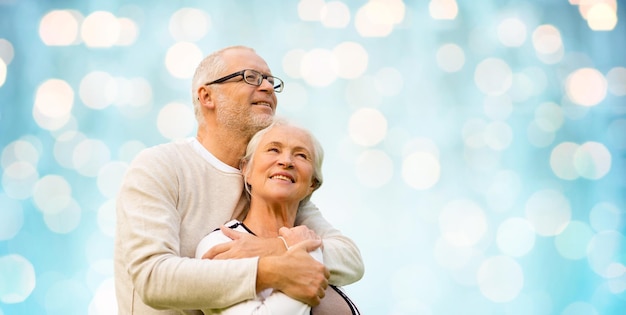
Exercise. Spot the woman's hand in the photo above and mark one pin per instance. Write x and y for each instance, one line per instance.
(297, 234)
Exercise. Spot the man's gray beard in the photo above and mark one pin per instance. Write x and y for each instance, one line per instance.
(232, 119)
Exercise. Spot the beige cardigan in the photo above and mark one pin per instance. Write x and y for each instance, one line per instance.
(173, 195)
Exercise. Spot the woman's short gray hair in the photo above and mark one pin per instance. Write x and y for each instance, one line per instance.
(318, 153)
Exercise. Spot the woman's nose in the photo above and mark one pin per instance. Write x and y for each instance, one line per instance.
(285, 161)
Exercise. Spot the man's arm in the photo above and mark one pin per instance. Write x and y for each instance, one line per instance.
(341, 255)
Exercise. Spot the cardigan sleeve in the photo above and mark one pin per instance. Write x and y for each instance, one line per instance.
(149, 226)
(341, 255)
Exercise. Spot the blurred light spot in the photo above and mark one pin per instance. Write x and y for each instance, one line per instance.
(473, 133)
(515, 237)
(579, 308)
(19, 150)
(98, 90)
(548, 211)
(134, 97)
(90, 156)
(54, 100)
(500, 279)
(586, 87)
(310, 10)
(562, 160)
(605, 216)
(189, 25)
(498, 107)
(176, 121)
(538, 78)
(462, 223)
(107, 217)
(3, 72)
(128, 32)
(110, 177)
(493, 76)
(129, 150)
(538, 137)
(617, 278)
(572, 243)
(616, 78)
(11, 217)
(335, 14)
(502, 193)
(549, 117)
(421, 170)
(573, 111)
(605, 250)
(295, 99)
(52, 194)
(389, 81)
(6, 52)
(522, 87)
(548, 44)
(355, 96)
(182, 59)
(443, 9)
(17, 279)
(377, 17)
(319, 67)
(18, 180)
(452, 257)
(292, 61)
(351, 60)
(592, 160)
(60, 27)
(374, 168)
(65, 220)
(61, 296)
(100, 29)
(498, 135)
(512, 32)
(602, 17)
(367, 127)
(411, 281)
(64, 147)
(104, 301)
(450, 58)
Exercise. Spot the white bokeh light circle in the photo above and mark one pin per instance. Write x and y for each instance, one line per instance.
(586, 87)
(512, 32)
(572, 243)
(374, 168)
(98, 90)
(104, 301)
(493, 76)
(450, 57)
(462, 223)
(100, 29)
(176, 121)
(52, 194)
(182, 59)
(515, 237)
(59, 28)
(548, 211)
(606, 216)
(500, 279)
(352, 60)
(54, 101)
(110, 178)
(592, 160)
(335, 14)
(421, 170)
(367, 127)
(318, 67)
(498, 135)
(562, 160)
(89, 156)
(189, 24)
(64, 220)
(18, 180)
(17, 279)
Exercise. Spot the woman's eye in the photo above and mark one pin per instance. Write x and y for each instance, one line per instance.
(272, 150)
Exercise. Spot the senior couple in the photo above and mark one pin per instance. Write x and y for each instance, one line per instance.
(193, 237)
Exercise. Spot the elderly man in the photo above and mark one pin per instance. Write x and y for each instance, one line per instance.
(174, 194)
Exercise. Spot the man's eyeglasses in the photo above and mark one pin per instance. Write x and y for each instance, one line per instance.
(253, 77)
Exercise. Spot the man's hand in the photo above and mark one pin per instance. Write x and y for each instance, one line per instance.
(297, 234)
(244, 245)
(296, 273)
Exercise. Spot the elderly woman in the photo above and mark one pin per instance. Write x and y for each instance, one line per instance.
(281, 168)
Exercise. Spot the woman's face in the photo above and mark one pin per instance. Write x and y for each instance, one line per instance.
(282, 169)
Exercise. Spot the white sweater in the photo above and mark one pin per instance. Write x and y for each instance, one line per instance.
(173, 195)
(267, 302)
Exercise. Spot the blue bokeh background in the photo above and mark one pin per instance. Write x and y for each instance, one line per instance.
(475, 150)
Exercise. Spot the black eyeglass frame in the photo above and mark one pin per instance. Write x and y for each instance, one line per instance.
(277, 87)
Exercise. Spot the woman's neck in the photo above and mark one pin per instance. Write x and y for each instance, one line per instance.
(266, 219)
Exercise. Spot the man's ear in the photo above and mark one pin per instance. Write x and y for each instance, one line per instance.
(205, 96)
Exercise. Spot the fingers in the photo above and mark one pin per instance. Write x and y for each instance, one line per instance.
(215, 251)
(232, 234)
(307, 245)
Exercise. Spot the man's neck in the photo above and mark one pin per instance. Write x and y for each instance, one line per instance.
(227, 147)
